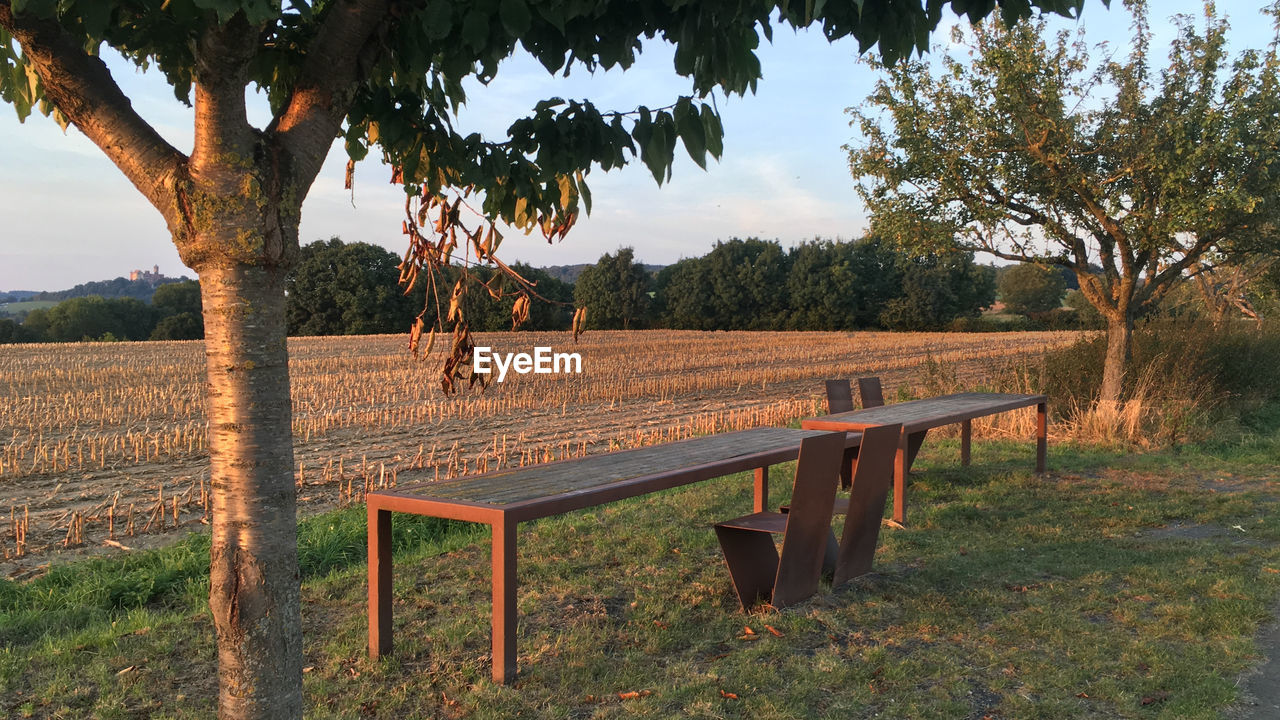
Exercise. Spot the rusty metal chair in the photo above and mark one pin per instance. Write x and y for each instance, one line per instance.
(840, 394)
(839, 397)
(864, 507)
(757, 569)
(869, 392)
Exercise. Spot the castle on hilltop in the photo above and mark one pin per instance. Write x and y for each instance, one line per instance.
(152, 276)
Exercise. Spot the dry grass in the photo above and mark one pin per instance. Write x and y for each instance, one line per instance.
(106, 441)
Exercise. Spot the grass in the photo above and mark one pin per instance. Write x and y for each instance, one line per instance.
(16, 308)
(1121, 585)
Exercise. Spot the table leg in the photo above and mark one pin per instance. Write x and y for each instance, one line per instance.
(1042, 436)
(379, 582)
(966, 438)
(914, 441)
(504, 601)
(762, 489)
(901, 464)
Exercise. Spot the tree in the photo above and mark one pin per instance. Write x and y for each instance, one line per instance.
(183, 326)
(176, 298)
(342, 288)
(93, 318)
(937, 289)
(1025, 152)
(1028, 288)
(615, 292)
(12, 331)
(822, 286)
(682, 296)
(747, 283)
(178, 311)
(388, 73)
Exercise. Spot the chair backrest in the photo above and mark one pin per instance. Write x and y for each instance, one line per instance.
(839, 397)
(871, 479)
(809, 521)
(869, 392)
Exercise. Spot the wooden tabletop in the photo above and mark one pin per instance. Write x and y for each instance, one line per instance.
(581, 482)
(916, 415)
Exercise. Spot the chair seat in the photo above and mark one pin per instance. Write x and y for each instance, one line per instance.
(840, 507)
(770, 522)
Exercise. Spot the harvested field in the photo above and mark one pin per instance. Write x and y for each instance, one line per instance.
(104, 443)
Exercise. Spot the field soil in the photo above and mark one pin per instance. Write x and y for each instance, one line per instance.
(102, 445)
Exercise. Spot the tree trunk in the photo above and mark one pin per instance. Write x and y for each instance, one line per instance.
(254, 589)
(1116, 363)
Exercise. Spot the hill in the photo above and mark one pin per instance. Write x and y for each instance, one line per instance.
(570, 273)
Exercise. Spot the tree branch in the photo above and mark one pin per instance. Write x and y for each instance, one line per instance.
(312, 117)
(81, 87)
(1157, 286)
(222, 126)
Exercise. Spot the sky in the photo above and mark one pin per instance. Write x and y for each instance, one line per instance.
(68, 216)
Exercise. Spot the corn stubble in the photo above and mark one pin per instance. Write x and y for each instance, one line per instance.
(108, 440)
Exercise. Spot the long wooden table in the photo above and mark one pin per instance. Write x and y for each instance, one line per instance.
(504, 498)
(920, 416)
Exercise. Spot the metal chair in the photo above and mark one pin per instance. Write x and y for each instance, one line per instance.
(869, 392)
(864, 507)
(871, 477)
(758, 571)
(839, 397)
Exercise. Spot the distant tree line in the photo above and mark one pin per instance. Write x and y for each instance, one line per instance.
(174, 313)
(341, 288)
(755, 284)
(120, 287)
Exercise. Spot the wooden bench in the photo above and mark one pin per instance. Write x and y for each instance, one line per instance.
(504, 498)
(919, 416)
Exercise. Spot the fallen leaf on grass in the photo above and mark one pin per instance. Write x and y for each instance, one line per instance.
(1022, 588)
(773, 630)
(129, 669)
(747, 629)
(1271, 570)
(1155, 698)
(308, 668)
(731, 696)
(1082, 695)
(633, 694)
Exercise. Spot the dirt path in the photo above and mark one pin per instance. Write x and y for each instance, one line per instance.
(1261, 688)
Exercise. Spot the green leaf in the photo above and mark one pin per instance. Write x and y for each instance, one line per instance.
(475, 29)
(658, 152)
(38, 8)
(692, 132)
(515, 16)
(553, 13)
(95, 16)
(583, 190)
(713, 132)
(437, 19)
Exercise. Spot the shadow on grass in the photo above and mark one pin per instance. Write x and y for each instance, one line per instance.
(75, 595)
